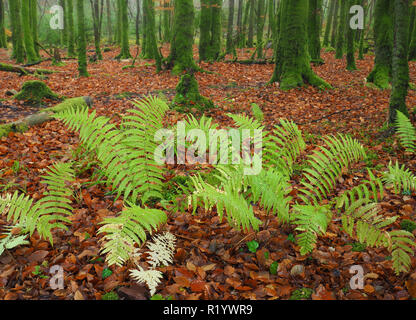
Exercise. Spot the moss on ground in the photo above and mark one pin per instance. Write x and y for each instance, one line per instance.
(35, 92)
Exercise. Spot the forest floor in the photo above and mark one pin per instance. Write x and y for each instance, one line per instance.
(212, 260)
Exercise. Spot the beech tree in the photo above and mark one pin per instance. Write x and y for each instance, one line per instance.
(330, 16)
(18, 45)
(339, 54)
(350, 43)
(150, 50)
(82, 44)
(383, 33)
(292, 58)
(335, 24)
(31, 55)
(230, 28)
(210, 30)
(314, 30)
(124, 32)
(400, 66)
(97, 18)
(71, 32)
(260, 28)
(3, 40)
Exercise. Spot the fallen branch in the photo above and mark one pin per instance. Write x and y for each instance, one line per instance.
(24, 71)
(43, 116)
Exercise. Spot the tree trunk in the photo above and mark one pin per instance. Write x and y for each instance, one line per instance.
(260, 27)
(230, 28)
(109, 24)
(64, 31)
(34, 25)
(341, 30)
(118, 22)
(125, 49)
(250, 40)
(205, 30)
(329, 22)
(350, 43)
(240, 33)
(292, 58)
(18, 46)
(383, 33)
(314, 26)
(166, 22)
(31, 55)
(412, 37)
(272, 19)
(400, 66)
(151, 50)
(362, 33)
(335, 24)
(95, 9)
(71, 32)
(82, 44)
(3, 40)
(138, 22)
(215, 46)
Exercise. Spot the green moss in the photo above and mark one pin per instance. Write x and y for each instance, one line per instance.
(5, 129)
(68, 103)
(408, 225)
(35, 91)
(301, 294)
(188, 96)
(110, 296)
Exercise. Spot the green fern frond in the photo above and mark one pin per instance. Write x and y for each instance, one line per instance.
(399, 178)
(240, 214)
(48, 213)
(10, 240)
(283, 147)
(126, 230)
(371, 189)
(405, 131)
(311, 221)
(362, 221)
(326, 166)
(245, 122)
(257, 113)
(271, 189)
(402, 245)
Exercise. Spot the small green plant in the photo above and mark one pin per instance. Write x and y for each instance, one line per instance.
(160, 297)
(110, 296)
(252, 246)
(358, 247)
(274, 267)
(291, 238)
(301, 294)
(38, 272)
(408, 225)
(106, 273)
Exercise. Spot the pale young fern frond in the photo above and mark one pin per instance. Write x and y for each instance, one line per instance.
(149, 277)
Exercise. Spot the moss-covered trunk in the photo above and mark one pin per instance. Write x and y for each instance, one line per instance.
(383, 33)
(272, 18)
(339, 54)
(18, 45)
(329, 22)
(230, 28)
(412, 37)
(109, 23)
(314, 28)
(34, 25)
(31, 55)
(96, 9)
(3, 41)
(240, 31)
(335, 19)
(260, 20)
(125, 49)
(118, 22)
(362, 33)
(150, 51)
(205, 30)
(292, 57)
(400, 66)
(252, 16)
(64, 31)
(181, 54)
(215, 47)
(82, 43)
(71, 32)
(350, 42)
(167, 16)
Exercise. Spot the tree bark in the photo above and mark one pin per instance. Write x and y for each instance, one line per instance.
(314, 27)
(125, 49)
(350, 43)
(400, 66)
(230, 37)
(383, 33)
(3, 40)
(71, 32)
(82, 44)
(18, 46)
(329, 22)
(292, 67)
(335, 24)
(339, 54)
(250, 40)
(260, 27)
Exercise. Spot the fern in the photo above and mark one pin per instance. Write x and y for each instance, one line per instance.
(11, 240)
(399, 178)
(363, 222)
(245, 122)
(150, 277)
(226, 198)
(405, 131)
(369, 190)
(271, 188)
(326, 165)
(126, 155)
(47, 213)
(283, 147)
(126, 230)
(257, 113)
(311, 221)
(402, 247)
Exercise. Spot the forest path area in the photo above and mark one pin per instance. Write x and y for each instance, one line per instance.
(209, 263)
